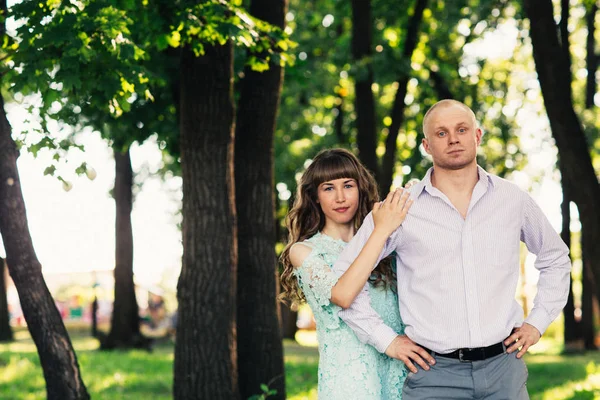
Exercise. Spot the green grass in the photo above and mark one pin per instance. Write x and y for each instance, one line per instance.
(141, 375)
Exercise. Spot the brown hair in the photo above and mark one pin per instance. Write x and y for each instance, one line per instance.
(306, 218)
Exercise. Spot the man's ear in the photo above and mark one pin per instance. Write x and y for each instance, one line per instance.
(425, 143)
(478, 135)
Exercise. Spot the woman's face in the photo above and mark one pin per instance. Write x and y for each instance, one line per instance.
(339, 199)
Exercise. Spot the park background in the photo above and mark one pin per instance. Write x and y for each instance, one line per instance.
(159, 146)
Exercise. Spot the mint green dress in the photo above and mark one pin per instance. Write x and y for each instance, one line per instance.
(348, 369)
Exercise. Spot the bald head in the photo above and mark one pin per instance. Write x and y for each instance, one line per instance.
(443, 104)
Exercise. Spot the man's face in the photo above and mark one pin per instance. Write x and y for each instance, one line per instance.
(451, 137)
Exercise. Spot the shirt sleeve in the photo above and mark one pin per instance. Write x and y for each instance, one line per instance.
(552, 261)
(360, 316)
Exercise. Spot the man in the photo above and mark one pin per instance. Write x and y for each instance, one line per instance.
(457, 256)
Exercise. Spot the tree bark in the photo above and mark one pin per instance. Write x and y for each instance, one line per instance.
(366, 125)
(57, 357)
(125, 322)
(289, 320)
(6, 333)
(410, 43)
(587, 296)
(591, 56)
(567, 131)
(572, 331)
(205, 350)
(259, 344)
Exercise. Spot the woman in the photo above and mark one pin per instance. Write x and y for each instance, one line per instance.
(334, 195)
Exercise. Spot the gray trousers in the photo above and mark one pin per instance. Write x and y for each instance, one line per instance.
(503, 377)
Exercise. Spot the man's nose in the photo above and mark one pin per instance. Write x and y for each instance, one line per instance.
(453, 138)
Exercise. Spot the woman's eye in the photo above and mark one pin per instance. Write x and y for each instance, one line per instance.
(349, 186)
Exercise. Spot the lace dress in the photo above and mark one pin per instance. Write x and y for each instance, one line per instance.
(348, 369)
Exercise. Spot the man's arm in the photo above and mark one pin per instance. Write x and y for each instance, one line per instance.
(360, 316)
(554, 265)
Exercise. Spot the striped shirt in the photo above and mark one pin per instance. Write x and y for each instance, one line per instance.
(457, 277)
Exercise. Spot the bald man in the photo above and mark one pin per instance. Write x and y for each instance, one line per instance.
(457, 255)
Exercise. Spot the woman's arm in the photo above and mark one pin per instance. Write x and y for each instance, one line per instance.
(387, 216)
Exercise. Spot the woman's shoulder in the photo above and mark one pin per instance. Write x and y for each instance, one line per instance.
(299, 252)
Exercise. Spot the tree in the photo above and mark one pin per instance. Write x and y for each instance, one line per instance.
(206, 292)
(6, 333)
(566, 128)
(259, 344)
(57, 357)
(125, 324)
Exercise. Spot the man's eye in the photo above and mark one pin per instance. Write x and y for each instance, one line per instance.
(441, 134)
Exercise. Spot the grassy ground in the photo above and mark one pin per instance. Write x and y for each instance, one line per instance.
(141, 375)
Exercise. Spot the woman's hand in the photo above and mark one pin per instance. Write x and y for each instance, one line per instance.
(389, 214)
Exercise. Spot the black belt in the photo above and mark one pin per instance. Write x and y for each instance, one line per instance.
(476, 354)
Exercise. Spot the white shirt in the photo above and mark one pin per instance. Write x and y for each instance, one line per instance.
(457, 277)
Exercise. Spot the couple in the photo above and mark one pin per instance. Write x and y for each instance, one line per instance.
(452, 275)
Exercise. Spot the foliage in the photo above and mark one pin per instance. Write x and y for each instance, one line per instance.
(114, 64)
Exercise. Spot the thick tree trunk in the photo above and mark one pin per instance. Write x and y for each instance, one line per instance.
(410, 43)
(125, 321)
(366, 125)
(205, 350)
(57, 357)
(6, 333)
(566, 128)
(259, 344)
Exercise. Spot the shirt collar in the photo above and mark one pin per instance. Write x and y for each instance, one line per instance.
(484, 178)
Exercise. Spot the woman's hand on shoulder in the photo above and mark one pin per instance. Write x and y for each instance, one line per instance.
(298, 254)
(389, 214)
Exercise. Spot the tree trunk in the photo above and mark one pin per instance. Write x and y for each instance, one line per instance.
(587, 297)
(6, 333)
(588, 331)
(125, 321)
(410, 43)
(259, 344)
(205, 350)
(289, 321)
(57, 357)
(566, 128)
(591, 56)
(572, 331)
(366, 125)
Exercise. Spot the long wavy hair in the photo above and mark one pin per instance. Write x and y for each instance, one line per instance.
(306, 217)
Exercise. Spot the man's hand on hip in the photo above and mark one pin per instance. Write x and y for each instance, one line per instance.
(407, 351)
(522, 338)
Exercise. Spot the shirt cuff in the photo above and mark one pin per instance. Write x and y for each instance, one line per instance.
(382, 337)
(539, 319)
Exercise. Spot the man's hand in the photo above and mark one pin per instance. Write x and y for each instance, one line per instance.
(523, 337)
(407, 351)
